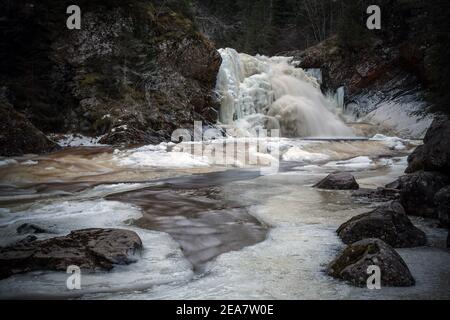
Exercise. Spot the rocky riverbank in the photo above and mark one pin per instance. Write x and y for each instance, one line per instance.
(424, 191)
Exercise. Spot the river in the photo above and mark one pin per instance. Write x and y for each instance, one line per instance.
(215, 231)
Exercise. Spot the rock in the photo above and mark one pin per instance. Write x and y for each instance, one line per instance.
(30, 228)
(442, 201)
(434, 154)
(417, 192)
(353, 262)
(356, 71)
(18, 136)
(375, 195)
(89, 249)
(388, 223)
(338, 181)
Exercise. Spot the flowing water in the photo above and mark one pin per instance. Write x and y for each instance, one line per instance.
(215, 231)
(271, 92)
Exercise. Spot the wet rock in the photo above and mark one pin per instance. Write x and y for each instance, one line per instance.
(89, 249)
(27, 228)
(417, 192)
(353, 262)
(19, 136)
(375, 195)
(434, 154)
(442, 201)
(388, 223)
(338, 181)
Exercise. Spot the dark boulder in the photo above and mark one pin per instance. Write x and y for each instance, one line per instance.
(89, 249)
(353, 262)
(19, 136)
(418, 190)
(27, 228)
(434, 154)
(338, 181)
(388, 223)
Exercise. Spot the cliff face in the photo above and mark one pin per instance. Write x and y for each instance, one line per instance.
(387, 77)
(135, 71)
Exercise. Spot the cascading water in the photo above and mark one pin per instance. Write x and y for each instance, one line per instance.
(271, 93)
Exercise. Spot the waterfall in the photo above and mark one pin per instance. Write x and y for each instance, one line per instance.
(258, 91)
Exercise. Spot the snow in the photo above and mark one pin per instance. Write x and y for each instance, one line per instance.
(297, 154)
(78, 140)
(393, 143)
(29, 163)
(158, 156)
(401, 118)
(357, 163)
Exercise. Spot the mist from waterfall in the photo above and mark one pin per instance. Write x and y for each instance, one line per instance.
(271, 93)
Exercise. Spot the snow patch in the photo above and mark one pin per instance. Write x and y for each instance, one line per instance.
(297, 154)
(158, 156)
(357, 163)
(77, 140)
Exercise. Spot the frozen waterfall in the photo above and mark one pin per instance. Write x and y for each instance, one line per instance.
(262, 92)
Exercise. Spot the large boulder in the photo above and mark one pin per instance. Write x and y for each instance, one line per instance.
(442, 201)
(28, 228)
(353, 262)
(388, 223)
(19, 136)
(418, 190)
(338, 181)
(89, 249)
(434, 154)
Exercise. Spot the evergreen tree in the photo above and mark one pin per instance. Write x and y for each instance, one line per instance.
(440, 52)
(352, 30)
